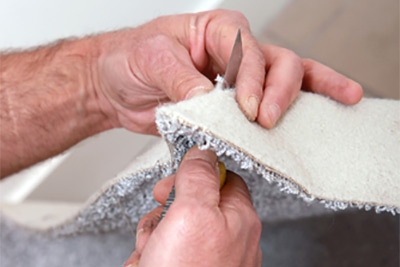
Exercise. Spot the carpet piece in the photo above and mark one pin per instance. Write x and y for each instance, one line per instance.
(340, 155)
(320, 152)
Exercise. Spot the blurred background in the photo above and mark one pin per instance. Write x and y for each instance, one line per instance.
(359, 38)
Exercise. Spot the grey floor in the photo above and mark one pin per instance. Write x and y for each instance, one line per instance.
(354, 238)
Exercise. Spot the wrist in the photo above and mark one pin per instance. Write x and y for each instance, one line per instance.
(100, 49)
(86, 93)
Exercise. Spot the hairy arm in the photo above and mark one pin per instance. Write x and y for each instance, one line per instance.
(47, 103)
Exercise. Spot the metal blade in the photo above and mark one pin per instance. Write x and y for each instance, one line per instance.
(234, 62)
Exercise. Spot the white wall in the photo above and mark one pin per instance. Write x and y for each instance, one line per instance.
(25, 23)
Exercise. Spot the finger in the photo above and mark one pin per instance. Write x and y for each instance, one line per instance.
(250, 80)
(220, 37)
(235, 193)
(259, 257)
(283, 83)
(163, 188)
(170, 68)
(321, 79)
(133, 260)
(145, 227)
(197, 179)
(254, 258)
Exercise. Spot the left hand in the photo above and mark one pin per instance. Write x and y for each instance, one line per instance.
(174, 58)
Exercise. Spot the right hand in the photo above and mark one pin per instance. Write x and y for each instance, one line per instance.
(204, 226)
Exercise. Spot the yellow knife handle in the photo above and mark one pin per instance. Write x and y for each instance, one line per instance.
(222, 174)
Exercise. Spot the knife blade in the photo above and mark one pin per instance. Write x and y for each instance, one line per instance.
(234, 62)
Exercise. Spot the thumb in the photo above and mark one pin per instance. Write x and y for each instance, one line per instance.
(197, 178)
(174, 72)
(133, 260)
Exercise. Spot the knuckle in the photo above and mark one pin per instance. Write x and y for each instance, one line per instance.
(308, 62)
(256, 56)
(201, 170)
(199, 163)
(164, 60)
(155, 52)
(289, 54)
(294, 59)
(239, 15)
(144, 219)
(197, 166)
(234, 15)
(256, 225)
(183, 82)
(220, 11)
(197, 180)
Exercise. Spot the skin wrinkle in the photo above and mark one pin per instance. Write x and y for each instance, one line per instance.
(278, 92)
(134, 76)
(91, 82)
(149, 225)
(165, 56)
(197, 37)
(101, 95)
(180, 85)
(198, 90)
(79, 104)
(210, 68)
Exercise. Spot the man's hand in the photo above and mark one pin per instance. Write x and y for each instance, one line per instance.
(204, 226)
(175, 58)
(54, 97)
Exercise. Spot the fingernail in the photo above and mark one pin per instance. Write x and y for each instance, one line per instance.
(252, 107)
(274, 111)
(138, 233)
(139, 242)
(206, 155)
(201, 90)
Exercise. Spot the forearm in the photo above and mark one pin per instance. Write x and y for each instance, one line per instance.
(47, 103)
